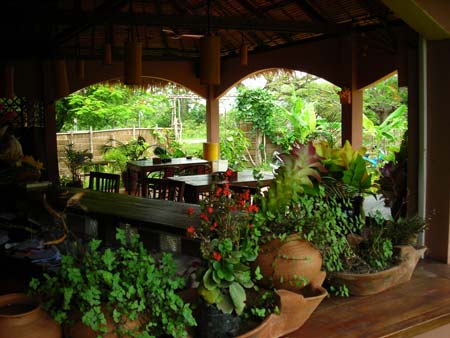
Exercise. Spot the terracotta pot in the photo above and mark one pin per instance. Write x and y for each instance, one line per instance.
(373, 283)
(22, 317)
(295, 310)
(291, 264)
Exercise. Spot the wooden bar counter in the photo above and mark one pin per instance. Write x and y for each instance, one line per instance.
(419, 308)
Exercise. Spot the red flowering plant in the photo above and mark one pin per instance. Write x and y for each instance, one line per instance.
(228, 243)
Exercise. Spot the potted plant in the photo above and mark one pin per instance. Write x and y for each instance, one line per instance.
(76, 160)
(378, 258)
(228, 244)
(302, 226)
(383, 255)
(110, 292)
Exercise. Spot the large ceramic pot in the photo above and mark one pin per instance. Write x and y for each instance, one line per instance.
(291, 264)
(295, 309)
(22, 317)
(373, 283)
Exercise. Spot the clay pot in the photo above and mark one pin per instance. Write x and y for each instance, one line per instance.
(295, 309)
(373, 283)
(22, 317)
(291, 264)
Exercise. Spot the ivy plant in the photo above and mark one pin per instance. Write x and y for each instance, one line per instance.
(124, 284)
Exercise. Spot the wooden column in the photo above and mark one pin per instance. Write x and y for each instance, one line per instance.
(351, 111)
(212, 116)
(437, 237)
(51, 160)
(412, 81)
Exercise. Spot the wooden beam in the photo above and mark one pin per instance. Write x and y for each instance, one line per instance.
(81, 21)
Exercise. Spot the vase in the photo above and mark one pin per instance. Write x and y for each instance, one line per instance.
(22, 317)
(214, 323)
(291, 264)
(373, 283)
(295, 309)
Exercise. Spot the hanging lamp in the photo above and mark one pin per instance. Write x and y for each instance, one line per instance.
(210, 60)
(79, 63)
(244, 52)
(7, 87)
(133, 57)
(107, 54)
(210, 56)
(61, 79)
(107, 49)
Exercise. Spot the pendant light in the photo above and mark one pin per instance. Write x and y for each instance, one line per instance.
(107, 49)
(244, 52)
(79, 63)
(61, 79)
(210, 56)
(133, 57)
(7, 87)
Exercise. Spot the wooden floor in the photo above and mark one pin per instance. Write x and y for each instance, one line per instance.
(408, 310)
(421, 305)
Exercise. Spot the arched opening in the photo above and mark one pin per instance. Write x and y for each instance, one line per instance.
(385, 119)
(268, 110)
(104, 125)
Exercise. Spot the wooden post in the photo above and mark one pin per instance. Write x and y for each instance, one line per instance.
(91, 141)
(352, 107)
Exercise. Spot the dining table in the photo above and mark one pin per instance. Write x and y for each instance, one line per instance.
(197, 185)
(143, 167)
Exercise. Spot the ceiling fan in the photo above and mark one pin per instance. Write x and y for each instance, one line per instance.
(172, 34)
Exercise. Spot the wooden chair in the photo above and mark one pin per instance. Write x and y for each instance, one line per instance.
(196, 169)
(105, 182)
(165, 189)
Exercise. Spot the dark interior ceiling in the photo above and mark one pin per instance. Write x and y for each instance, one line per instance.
(170, 29)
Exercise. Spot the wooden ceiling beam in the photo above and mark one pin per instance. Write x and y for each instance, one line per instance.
(103, 13)
(80, 21)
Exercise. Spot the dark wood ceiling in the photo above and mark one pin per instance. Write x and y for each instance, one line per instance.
(170, 29)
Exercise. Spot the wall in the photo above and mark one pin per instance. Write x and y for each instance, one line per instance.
(94, 140)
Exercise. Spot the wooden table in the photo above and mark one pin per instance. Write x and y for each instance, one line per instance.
(199, 184)
(142, 167)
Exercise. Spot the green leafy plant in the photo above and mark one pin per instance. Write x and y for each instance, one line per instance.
(347, 166)
(125, 284)
(228, 243)
(76, 160)
(136, 149)
(296, 202)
